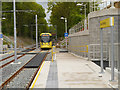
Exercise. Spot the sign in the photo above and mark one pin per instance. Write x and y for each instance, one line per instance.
(107, 22)
(66, 34)
(1, 35)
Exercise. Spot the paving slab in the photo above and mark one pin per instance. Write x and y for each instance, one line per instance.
(41, 80)
(52, 80)
(74, 72)
(71, 71)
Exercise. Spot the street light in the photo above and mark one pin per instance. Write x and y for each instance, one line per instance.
(1, 37)
(3, 18)
(36, 33)
(112, 4)
(79, 4)
(65, 28)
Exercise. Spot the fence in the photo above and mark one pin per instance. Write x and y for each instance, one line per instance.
(77, 37)
(82, 50)
(81, 26)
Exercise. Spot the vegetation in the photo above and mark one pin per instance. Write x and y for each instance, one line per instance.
(25, 19)
(67, 10)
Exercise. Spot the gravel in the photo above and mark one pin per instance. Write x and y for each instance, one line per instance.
(6, 55)
(10, 69)
(7, 60)
(24, 77)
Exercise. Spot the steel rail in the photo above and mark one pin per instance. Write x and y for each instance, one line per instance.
(29, 84)
(10, 56)
(14, 59)
(16, 73)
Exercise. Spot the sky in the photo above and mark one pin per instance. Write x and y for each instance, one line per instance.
(44, 4)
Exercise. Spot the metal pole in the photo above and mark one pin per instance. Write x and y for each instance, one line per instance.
(66, 30)
(112, 4)
(106, 4)
(85, 17)
(101, 36)
(85, 11)
(15, 44)
(112, 54)
(1, 35)
(94, 5)
(89, 6)
(36, 34)
(56, 32)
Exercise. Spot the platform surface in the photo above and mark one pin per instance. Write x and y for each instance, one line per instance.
(70, 71)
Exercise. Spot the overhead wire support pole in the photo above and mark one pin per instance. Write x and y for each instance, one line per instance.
(15, 40)
(1, 35)
(36, 34)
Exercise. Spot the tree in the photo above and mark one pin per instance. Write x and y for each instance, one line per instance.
(25, 21)
(67, 10)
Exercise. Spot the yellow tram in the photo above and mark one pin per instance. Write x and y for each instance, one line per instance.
(46, 40)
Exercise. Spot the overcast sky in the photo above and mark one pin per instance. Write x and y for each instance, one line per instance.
(44, 4)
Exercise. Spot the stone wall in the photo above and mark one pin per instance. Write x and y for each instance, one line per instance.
(119, 51)
(92, 37)
(94, 29)
(78, 42)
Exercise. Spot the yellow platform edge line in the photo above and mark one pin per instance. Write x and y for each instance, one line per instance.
(37, 76)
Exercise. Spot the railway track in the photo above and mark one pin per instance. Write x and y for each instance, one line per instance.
(20, 73)
(26, 51)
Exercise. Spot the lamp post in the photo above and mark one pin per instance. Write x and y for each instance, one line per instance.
(65, 28)
(112, 4)
(85, 14)
(1, 39)
(56, 32)
(36, 34)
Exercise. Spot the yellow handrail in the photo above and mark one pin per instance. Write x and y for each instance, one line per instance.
(79, 49)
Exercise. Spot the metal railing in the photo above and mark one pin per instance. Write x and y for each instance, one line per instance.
(81, 50)
(81, 26)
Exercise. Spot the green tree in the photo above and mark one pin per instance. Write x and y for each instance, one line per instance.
(25, 21)
(67, 10)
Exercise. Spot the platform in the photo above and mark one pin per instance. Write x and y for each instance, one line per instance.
(70, 71)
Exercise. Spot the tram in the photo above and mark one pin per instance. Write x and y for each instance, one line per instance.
(46, 40)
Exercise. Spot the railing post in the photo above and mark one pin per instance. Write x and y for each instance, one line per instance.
(53, 53)
(88, 52)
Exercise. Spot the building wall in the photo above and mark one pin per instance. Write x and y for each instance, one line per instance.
(78, 43)
(92, 38)
(119, 51)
